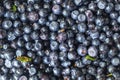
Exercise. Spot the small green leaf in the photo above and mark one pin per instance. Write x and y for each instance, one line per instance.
(24, 59)
(90, 58)
(109, 75)
(1, 46)
(14, 8)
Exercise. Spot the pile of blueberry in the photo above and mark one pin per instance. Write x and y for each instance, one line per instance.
(59, 39)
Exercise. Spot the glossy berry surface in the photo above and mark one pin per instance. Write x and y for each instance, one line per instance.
(59, 39)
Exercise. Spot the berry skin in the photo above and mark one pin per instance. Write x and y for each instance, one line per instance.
(23, 78)
(74, 14)
(92, 51)
(101, 4)
(60, 40)
(81, 17)
(115, 61)
(33, 16)
(7, 24)
(56, 9)
(82, 27)
(82, 50)
(54, 26)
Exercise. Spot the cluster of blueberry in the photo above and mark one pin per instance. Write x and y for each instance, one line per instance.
(59, 39)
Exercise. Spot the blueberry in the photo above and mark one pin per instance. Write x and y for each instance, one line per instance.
(57, 71)
(113, 15)
(30, 1)
(26, 37)
(34, 35)
(109, 7)
(53, 36)
(32, 70)
(28, 46)
(65, 12)
(66, 63)
(43, 12)
(94, 34)
(118, 19)
(58, 1)
(16, 23)
(21, 8)
(30, 8)
(62, 56)
(16, 63)
(116, 75)
(37, 46)
(33, 78)
(80, 37)
(82, 50)
(74, 14)
(117, 7)
(101, 4)
(4, 69)
(99, 21)
(82, 17)
(23, 77)
(53, 56)
(31, 54)
(63, 47)
(42, 21)
(81, 78)
(54, 26)
(61, 37)
(52, 17)
(102, 64)
(89, 15)
(8, 54)
(3, 77)
(103, 48)
(95, 42)
(115, 61)
(8, 63)
(19, 52)
(66, 71)
(82, 27)
(33, 16)
(78, 2)
(54, 45)
(63, 24)
(7, 24)
(92, 6)
(23, 17)
(75, 73)
(56, 9)
(79, 64)
(46, 60)
(36, 6)
(71, 55)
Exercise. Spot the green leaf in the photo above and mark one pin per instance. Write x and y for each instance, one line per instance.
(14, 8)
(24, 59)
(1, 46)
(90, 58)
(109, 75)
